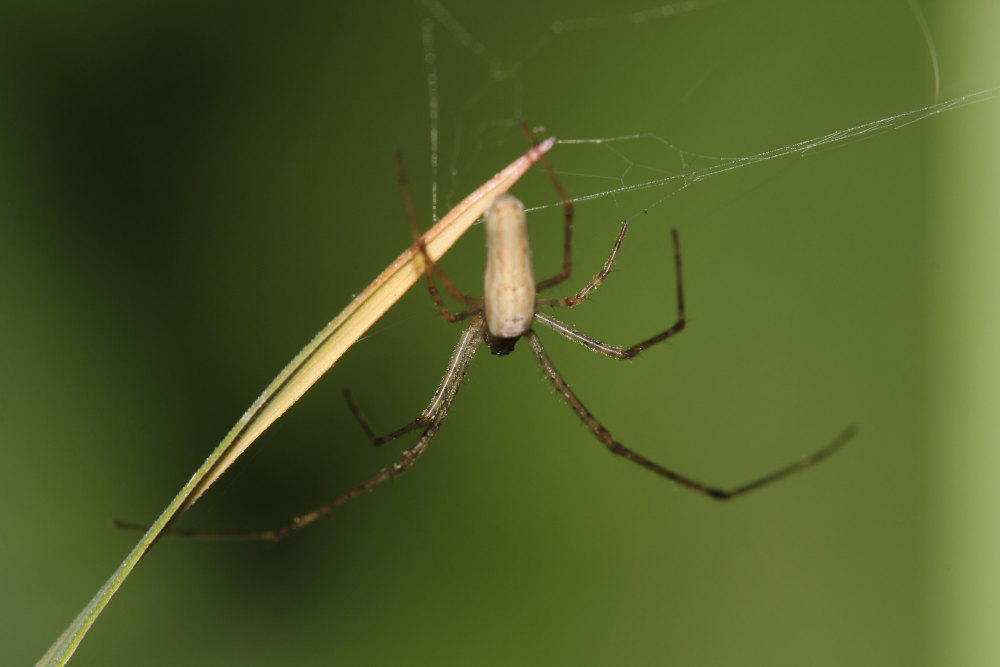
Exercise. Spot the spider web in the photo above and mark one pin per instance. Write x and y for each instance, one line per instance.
(476, 93)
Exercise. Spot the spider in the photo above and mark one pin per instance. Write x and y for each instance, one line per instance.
(503, 316)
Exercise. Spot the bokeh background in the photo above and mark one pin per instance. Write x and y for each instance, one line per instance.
(188, 191)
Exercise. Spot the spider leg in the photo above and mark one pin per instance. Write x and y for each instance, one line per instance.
(621, 450)
(300, 521)
(571, 301)
(623, 352)
(377, 440)
(567, 261)
(430, 267)
(435, 413)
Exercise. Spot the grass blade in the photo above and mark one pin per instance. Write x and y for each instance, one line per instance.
(296, 378)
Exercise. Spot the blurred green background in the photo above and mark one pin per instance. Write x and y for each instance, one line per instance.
(188, 191)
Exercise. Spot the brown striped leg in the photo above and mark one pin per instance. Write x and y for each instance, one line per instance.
(621, 450)
(377, 440)
(571, 301)
(430, 267)
(567, 261)
(441, 394)
(624, 352)
(438, 408)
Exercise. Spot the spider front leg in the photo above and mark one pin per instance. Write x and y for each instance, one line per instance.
(430, 267)
(567, 260)
(621, 450)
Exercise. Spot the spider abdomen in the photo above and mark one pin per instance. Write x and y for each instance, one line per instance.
(509, 292)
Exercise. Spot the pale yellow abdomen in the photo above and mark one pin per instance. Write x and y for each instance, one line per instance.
(509, 292)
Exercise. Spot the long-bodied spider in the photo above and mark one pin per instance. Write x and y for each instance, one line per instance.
(504, 315)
